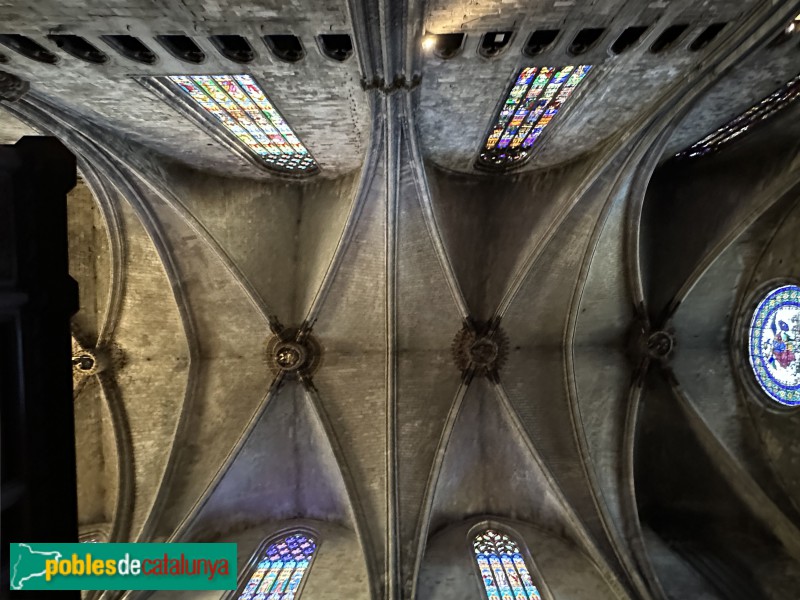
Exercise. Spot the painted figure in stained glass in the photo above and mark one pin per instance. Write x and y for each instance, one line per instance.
(281, 569)
(775, 344)
(503, 571)
(783, 343)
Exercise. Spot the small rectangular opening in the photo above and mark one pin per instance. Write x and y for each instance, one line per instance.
(286, 47)
(79, 47)
(585, 40)
(337, 46)
(494, 42)
(447, 45)
(131, 47)
(668, 38)
(540, 40)
(707, 36)
(628, 38)
(28, 47)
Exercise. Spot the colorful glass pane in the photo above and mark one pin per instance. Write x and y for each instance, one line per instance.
(775, 344)
(754, 115)
(245, 112)
(280, 571)
(503, 570)
(532, 103)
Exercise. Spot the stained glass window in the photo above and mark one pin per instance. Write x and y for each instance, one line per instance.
(281, 569)
(775, 344)
(533, 102)
(770, 105)
(239, 104)
(503, 571)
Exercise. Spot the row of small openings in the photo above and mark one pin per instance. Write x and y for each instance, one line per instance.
(449, 45)
(288, 48)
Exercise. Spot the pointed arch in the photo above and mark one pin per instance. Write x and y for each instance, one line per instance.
(278, 568)
(502, 566)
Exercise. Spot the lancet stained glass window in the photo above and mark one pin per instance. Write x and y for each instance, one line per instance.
(533, 102)
(281, 569)
(246, 113)
(503, 571)
(775, 344)
(770, 105)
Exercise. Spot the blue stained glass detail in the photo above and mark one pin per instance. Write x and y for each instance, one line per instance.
(280, 572)
(754, 115)
(774, 345)
(534, 100)
(530, 589)
(488, 577)
(246, 113)
(503, 571)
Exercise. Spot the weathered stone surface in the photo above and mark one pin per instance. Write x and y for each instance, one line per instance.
(386, 253)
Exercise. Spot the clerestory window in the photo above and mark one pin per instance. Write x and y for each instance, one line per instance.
(504, 574)
(749, 119)
(537, 96)
(245, 116)
(281, 568)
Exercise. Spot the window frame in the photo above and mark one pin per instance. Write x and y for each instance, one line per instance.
(519, 540)
(250, 566)
(481, 165)
(184, 106)
(748, 382)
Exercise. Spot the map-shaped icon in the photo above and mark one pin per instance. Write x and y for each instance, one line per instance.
(27, 564)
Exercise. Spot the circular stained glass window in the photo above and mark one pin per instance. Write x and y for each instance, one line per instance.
(775, 344)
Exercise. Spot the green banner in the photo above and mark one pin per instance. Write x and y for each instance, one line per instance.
(123, 566)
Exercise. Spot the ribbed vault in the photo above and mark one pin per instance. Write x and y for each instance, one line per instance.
(611, 461)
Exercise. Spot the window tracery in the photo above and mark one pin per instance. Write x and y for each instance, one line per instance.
(281, 568)
(503, 570)
(239, 104)
(533, 102)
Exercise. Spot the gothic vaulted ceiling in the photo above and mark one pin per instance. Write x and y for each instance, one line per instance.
(404, 343)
